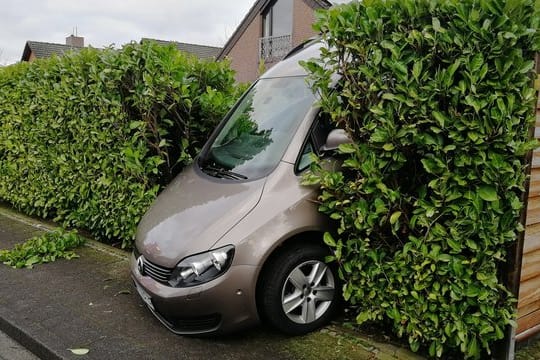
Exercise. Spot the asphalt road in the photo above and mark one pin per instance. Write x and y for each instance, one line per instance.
(11, 350)
(89, 303)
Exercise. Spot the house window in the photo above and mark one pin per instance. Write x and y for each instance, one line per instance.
(277, 29)
(277, 19)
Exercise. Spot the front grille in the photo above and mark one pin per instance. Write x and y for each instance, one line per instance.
(156, 272)
(199, 324)
(159, 273)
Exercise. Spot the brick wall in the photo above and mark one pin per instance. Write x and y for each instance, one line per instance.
(303, 18)
(244, 54)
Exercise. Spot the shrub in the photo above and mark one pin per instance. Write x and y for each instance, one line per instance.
(43, 249)
(90, 138)
(437, 96)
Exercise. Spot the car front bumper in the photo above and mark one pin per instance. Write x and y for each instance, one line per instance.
(224, 304)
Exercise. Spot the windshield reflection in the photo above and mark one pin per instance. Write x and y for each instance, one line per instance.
(257, 133)
(242, 141)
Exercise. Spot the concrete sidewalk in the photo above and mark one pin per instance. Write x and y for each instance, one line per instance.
(89, 303)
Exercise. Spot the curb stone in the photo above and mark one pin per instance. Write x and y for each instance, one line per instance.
(26, 340)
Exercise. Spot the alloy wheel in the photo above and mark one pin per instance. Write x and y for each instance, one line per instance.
(308, 292)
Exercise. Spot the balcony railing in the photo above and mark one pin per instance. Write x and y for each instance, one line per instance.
(274, 48)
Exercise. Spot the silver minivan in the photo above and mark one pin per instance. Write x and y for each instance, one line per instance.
(235, 238)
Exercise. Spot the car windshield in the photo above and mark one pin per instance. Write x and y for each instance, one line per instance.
(258, 131)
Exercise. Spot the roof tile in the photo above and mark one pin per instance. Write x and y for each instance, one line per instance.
(45, 49)
(201, 51)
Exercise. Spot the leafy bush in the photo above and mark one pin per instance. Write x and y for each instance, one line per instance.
(43, 249)
(90, 138)
(437, 96)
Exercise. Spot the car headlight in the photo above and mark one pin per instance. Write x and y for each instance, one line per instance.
(201, 268)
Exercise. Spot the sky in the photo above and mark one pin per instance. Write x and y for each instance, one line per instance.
(109, 22)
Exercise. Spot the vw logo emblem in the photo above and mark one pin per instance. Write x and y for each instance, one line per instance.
(140, 264)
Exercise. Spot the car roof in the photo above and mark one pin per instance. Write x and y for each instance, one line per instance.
(289, 66)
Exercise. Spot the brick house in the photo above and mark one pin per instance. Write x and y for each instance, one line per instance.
(37, 50)
(269, 30)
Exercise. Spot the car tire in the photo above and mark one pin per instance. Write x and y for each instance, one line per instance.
(299, 291)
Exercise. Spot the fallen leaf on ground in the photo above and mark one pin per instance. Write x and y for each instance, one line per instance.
(79, 351)
(123, 292)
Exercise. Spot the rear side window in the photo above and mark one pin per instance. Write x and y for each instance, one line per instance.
(315, 141)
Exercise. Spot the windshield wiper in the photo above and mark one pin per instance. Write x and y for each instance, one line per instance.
(222, 173)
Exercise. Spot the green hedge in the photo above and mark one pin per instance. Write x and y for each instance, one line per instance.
(437, 96)
(90, 138)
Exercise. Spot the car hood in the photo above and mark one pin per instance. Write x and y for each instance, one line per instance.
(192, 214)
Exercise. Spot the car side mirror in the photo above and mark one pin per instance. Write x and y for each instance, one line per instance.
(335, 138)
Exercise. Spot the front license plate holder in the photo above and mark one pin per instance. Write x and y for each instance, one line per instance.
(145, 297)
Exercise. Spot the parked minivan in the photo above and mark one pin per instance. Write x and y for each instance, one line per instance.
(235, 238)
